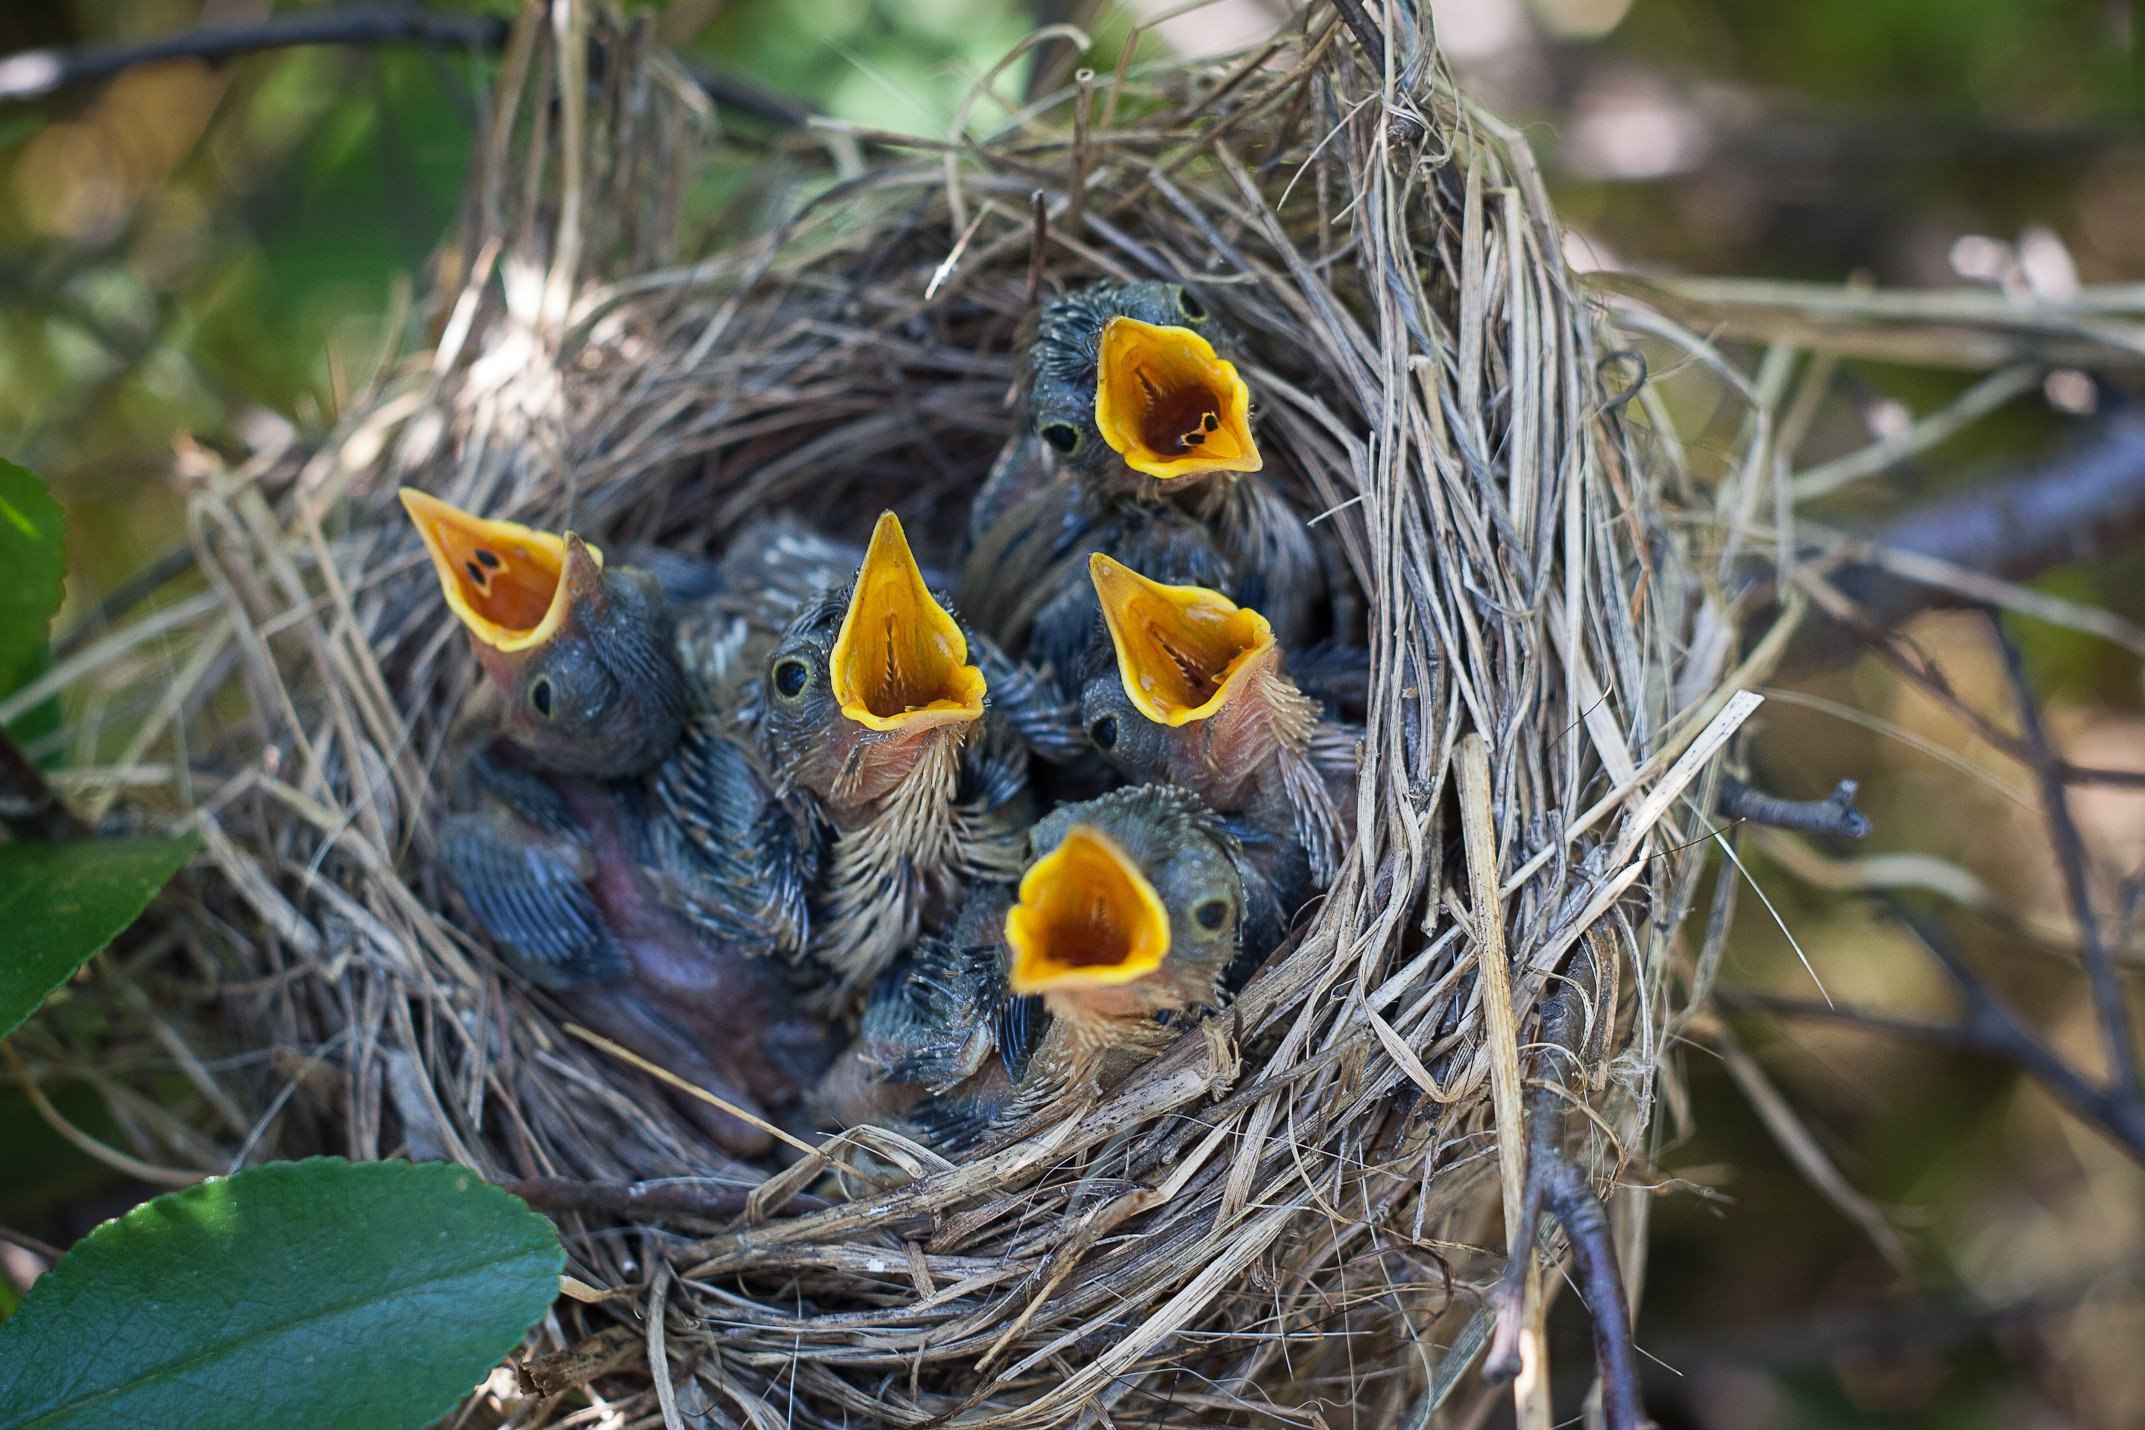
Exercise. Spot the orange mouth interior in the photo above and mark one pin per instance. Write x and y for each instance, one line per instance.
(502, 580)
(1169, 405)
(900, 661)
(1182, 651)
(1087, 918)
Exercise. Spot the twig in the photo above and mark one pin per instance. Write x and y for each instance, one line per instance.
(1556, 1184)
(2106, 983)
(645, 1199)
(29, 806)
(124, 597)
(1038, 246)
(1834, 814)
(34, 74)
(30, 1244)
(1894, 650)
(1803, 1150)
(1989, 1029)
(2083, 504)
(1365, 30)
(112, 1157)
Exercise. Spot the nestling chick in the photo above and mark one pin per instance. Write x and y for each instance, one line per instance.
(627, 846)
(1202, 698)
(1130, 911)
(771, 568)
(874, 704)
(583, 655)
(1126, 386)
(653, 924)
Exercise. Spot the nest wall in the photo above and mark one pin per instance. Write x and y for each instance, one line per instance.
(1295, 1208)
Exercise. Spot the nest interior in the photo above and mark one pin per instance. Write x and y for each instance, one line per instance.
(1294, 1211)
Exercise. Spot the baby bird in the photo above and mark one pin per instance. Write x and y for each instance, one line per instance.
(874, 704)
(1130, 911)
(1126, 387)
(655, 932)
(626, 845)
(583, 654)
(1202, 698)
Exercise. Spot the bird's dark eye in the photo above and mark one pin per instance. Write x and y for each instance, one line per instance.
(540, 696)
(1104, 732)
(790, 677)
(1212, 914)
(1188, 304)
(1062, 436)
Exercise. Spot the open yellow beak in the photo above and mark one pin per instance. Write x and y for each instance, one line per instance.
(504, 581)
(1183, 652)
(1169, 405)
(1087, 918)
(900, 661)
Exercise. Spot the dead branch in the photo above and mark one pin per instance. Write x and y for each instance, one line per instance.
(2109, 1004)
(34, 74)
(1989, 1029)
(1834, 814)
(29, 806)
(1556, 1184)
(646, 1199)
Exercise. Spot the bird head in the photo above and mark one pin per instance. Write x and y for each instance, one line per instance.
(1184, 653)
(1130, 375)
(1133, 904)
(1202, 695)
(867, 681)
(583, 654)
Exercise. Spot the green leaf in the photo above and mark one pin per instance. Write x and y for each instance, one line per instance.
(33, 566)
(323, 1292)
(60, 903)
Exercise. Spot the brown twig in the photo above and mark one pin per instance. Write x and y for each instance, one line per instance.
(1834, 814)
(34, 74)
(1556, 1184)
(29, 806)
(647, 1199)
(2117, 1041)
(2085, 503)
(1897, 652)
(1365, 30)
(1989, 1028)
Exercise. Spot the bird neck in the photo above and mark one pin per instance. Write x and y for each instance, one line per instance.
(1089, 1022)
(1267, 723)
(909, 855)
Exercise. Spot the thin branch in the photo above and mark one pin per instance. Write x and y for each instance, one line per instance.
(2085, 503)
(1897, 652)
(1989, 1028)
(34, 74)
(1834, 814)
(2106, 983)
(646, 1199)
(1365, 30)
(1556, 1184)
(29, 807)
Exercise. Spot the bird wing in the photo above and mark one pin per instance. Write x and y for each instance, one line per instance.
(531, 896)
(725, 850)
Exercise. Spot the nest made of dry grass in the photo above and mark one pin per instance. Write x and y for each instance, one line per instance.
(1295, 1207)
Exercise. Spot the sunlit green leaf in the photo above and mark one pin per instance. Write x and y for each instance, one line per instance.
(364, 1296)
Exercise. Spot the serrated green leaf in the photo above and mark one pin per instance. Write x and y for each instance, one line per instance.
(60, 903)
(33, 568)
(365, 1296)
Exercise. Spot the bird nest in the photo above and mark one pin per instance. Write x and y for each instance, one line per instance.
(653, 332)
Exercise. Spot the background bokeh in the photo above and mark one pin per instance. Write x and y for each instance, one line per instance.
(233, 254)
